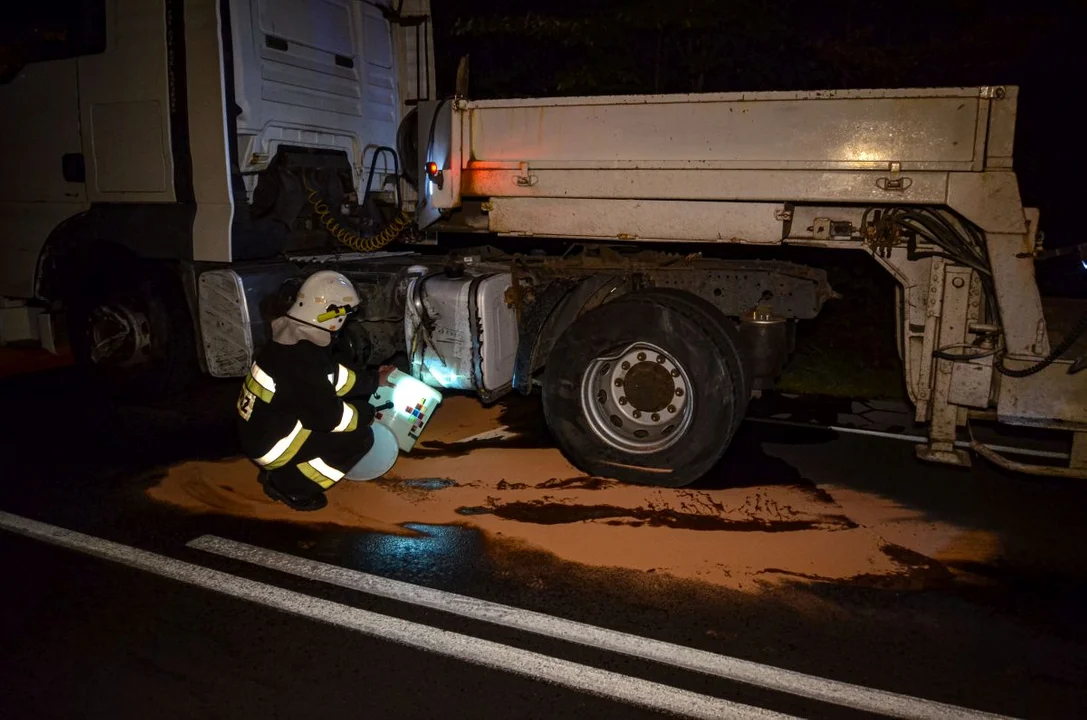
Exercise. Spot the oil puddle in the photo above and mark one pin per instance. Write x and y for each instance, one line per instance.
(522, 427)
(428, 483)
(581, 482)
(914, 571)
(552, 513)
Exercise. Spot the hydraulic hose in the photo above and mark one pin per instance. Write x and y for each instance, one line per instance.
(964, 243)
(1054, 354)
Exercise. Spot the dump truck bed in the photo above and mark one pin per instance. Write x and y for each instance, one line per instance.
(937, 129)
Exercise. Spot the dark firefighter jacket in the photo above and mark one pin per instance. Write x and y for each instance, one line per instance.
(295, 390)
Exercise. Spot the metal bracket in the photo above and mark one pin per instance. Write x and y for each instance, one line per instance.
(894, 184)
(1027, 468)
(524, 178)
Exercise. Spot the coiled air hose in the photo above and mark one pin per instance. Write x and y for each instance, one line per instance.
(347, 236)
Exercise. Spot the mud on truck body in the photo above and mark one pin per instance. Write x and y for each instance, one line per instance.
(281, 132)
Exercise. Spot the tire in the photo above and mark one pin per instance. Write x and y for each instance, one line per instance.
(158, 364)
(671, 349)
(727, 341)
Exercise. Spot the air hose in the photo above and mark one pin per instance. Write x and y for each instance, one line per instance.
(347, 236)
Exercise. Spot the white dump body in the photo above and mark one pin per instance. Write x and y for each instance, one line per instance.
(646, 146)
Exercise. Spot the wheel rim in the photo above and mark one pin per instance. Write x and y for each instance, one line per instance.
(637, 400)
(119, 336)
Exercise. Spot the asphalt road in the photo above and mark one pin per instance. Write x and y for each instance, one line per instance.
(835, 556)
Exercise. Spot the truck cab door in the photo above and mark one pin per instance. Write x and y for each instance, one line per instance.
(42, 172)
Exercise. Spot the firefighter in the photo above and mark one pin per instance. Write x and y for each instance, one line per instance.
(304, 419)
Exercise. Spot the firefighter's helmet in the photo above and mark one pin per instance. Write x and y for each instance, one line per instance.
(325, 300)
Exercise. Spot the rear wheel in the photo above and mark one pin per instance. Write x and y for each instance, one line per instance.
(645, 389)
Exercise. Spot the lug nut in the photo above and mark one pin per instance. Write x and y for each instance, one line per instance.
(679, 392)
(641, 357)
(622, 401)
(660, 359)
(675, 372)
(671, 408)
(637, 414)
(618, 382)
(655, 417)
(625, 365)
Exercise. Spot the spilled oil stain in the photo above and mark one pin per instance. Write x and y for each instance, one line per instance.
(428, 483)
(581, 482)
(922, 571)
(474, 510)
(525, 428)
(747, 464)
(815, 492)
(542, 512)
(438, 448)
(917, 572)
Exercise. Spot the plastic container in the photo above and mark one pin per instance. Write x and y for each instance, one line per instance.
(413, 404)
(380, 459)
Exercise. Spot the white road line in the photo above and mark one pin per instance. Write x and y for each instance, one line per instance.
(536, 666)
(745, 671)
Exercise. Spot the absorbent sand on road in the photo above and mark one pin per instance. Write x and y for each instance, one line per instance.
(748, 537)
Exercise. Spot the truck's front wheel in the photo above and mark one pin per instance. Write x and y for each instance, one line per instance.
(643, 390)
(131, 329)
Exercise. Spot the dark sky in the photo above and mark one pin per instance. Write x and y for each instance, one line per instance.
(565, 47)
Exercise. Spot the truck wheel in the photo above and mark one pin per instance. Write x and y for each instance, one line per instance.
(643, 390)
(133, 332)
(728, 340)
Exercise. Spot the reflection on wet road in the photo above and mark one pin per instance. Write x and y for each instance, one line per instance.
(430, 555)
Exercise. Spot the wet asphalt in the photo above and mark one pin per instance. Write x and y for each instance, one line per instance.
(86, 637)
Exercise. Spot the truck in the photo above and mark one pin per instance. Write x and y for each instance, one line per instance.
(171, 169)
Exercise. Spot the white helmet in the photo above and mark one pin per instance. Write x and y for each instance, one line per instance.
(324, 300)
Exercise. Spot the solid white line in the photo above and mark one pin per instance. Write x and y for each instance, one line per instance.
(907, 437)
(745, 671)
(536, 666)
